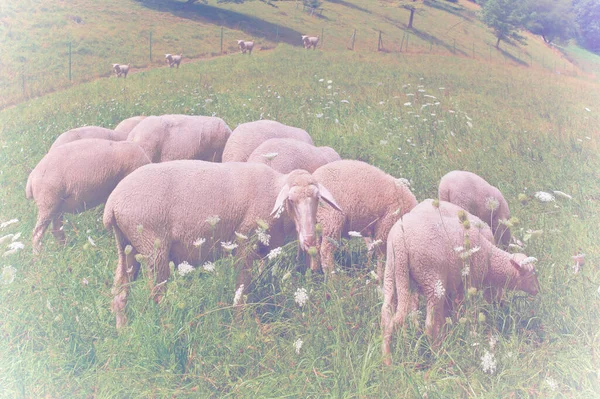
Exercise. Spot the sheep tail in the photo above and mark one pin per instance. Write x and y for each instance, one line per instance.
(28, 188)
(108, 219)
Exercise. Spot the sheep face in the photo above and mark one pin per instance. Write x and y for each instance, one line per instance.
(526, 280)
(299, 198)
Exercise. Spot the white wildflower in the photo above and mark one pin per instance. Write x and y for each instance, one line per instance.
(208, 100)
(319, 115)
(329, 87)
(469, 124)
(92, 243)
(438, 289)
(209, 267)
(263, 236)
(301, 296)
(345, 101)
(329, 82)
(544, 196)
(321, 80)
(49, 305)
(491, 203)
(552, 384)
(298, 345)
(8, 274)
(279, 212)
(465, 271)
(5, 238)
(238, 295)
(493, 341)
(213, 220)
(408, 104)
(528, 260)
(229, 246)
(241, 236)
(198, 243)
(85, 281)
(184, 268)
(270, 155)
(16, 237)
(459, 249)
(488, 362)
(274, 253)
(467, 254)
(383, 142)
(8, 223)
(374, 244)
(354, 234)
(562, 194)
(587, 109)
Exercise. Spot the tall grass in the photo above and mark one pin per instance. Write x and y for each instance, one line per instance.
(524, 132)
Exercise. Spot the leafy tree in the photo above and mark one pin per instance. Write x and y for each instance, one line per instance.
(551, 19)
(506, 18)
(587, 16)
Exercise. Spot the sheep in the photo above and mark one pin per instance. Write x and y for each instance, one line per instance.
(428, 249)
(245, 46)
(247, 136)
(372, 202)
(127, 125)
(477, 196)
(173, 210)
(285, 155)
(88, 132)
(121, 70)
(310, 41)
(78, 176)
(173, 60)
(172, 137)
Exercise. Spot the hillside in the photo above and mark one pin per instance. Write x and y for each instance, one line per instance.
(36, 35)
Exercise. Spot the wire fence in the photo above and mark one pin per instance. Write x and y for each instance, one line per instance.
(22, 82)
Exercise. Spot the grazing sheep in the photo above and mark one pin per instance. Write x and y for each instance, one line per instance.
(330, 154)
(182, 210)
(127, 125)
(172, 137)
(372, 202)
(88, 132)
(245, 46)
(78, 176)
(247, 136)
(173, 60)
(285, 155)
(310, 41)
(478, 197)
(428, 249)
(121, 70)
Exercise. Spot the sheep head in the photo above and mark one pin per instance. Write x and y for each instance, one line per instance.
(299, 198)
(526, 279)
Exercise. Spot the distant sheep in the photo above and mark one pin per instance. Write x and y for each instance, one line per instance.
(127, 125)
(121, 70)
(245, 46)
(173, 60)
(78, 176)
(88, 132)
(310, 41)
(285, 155)
(433, 252)
(478, 197)
(247, 136)
(173, 137)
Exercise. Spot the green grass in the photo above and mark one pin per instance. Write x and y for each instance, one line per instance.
(522, 131)
(36, 36)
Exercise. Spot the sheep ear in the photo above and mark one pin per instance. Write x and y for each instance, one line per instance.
(281, 197)
(516, 265)
(327, 197)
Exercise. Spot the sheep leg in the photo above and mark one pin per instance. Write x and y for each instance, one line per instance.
(332, 225)
(57, 229)
(38, 232)
(126, 272)
(435, 318)
(158, 271)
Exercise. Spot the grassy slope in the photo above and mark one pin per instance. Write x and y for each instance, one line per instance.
(36, 35)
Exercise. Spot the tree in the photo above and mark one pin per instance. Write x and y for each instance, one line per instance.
(551, 19)
(587, 16)
(506, 18)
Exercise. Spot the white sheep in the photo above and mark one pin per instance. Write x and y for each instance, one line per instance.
(121, 70)
(285, 155)
(310, 41)
(188, 210)
(474, 194)
(78, 176)
(88, 132)
(247, 136)
(127, 125)
(246, 46)
(173, 59)
(172, 137)
(435, 251)
(372, 202)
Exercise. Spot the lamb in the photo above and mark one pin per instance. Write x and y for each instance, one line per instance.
(173, 60)
(121, 70)
(285, 155)
(88, 132)
(127, 125)
(175, 209)
(372, 202)
(247, 136)
(477, 196)
(172, 137)
(78, 176)
(245, 46)
(436, 252)
(310, 41)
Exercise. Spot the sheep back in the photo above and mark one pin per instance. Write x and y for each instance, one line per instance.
(291, 154)
(88, 132)
(127, 125)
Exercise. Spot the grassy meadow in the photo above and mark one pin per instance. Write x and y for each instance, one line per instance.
(415, 116)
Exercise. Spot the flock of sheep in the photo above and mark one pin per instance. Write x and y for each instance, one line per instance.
(245, 46)
(187, 188)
